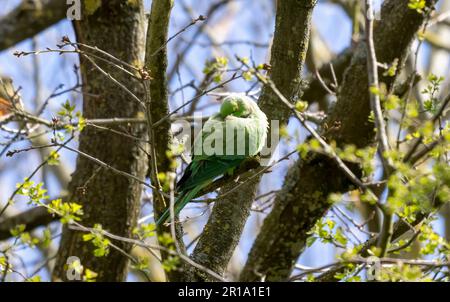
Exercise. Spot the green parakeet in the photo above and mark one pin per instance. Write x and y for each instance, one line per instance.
(236, 132)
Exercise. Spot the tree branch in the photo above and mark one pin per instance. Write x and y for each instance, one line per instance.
(315, 91)
(33, 218)
(28, 19)
(157, 109)
(380, 126)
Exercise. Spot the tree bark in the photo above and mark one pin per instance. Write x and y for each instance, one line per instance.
(112, 200)
(158, 108)
(32, 219)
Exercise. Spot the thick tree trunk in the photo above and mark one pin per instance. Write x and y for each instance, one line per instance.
(112, 200)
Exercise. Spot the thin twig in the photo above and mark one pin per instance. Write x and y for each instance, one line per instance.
(380, 126)
(193, 22)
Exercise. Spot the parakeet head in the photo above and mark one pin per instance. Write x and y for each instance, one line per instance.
(239, 106)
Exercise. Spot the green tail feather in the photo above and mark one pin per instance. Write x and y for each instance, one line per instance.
(180, 203)
(196, 177)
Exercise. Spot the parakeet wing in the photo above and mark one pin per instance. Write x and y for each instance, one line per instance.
(206, 170)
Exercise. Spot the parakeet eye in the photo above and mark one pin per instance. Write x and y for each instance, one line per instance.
(229, 107)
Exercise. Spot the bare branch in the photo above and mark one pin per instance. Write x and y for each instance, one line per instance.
(28, 19)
